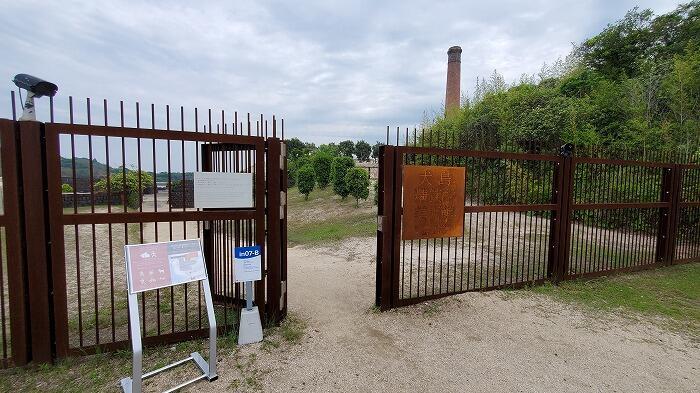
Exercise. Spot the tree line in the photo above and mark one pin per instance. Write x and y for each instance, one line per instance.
(332, 165)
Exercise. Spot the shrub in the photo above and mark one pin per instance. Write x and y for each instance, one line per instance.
(339, 168)
(293, 167)
(357, 184)
(321, 162)
(66, 188)
(130, 187)
(305, 181)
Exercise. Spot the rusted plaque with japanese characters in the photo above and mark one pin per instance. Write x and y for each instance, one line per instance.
(433, 202)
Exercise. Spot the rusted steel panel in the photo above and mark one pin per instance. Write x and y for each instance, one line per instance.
(18, 328)
(433, 202)
(35, 237)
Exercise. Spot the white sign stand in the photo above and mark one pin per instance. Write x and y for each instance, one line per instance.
(247, 268)
(188, 261)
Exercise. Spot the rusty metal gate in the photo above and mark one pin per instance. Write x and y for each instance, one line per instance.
(531, 218)
(83, 191)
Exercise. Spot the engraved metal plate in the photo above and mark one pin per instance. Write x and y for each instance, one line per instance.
(433, 202)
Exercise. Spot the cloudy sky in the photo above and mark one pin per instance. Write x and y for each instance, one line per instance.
(332, 70)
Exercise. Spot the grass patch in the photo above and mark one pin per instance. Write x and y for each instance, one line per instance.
(671, 293)
(325, 217)
(333, 229)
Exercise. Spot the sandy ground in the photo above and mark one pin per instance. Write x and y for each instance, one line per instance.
(491, 341)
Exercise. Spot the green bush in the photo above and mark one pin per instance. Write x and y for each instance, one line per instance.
(130, 187)
(305, 181)
(293, 167)
(357, 184)
(339, 168)
(322, 162)
(66, 188)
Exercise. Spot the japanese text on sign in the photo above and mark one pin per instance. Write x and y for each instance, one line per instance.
(433, 202)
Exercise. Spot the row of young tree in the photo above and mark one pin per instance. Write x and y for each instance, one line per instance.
(328, 165)
(360, 150)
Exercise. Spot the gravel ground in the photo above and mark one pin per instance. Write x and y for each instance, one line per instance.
(471, 342)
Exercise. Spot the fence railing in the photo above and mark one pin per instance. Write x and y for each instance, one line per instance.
(529, 218)
(62, 267)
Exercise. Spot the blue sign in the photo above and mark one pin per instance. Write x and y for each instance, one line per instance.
(247, 252)
(247, 264)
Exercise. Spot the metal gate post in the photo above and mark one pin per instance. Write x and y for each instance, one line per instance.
(385, 227)
(35, 200)
(283, 228)
(666, 235)
(16, 264)
(559, 254)
(274, 244)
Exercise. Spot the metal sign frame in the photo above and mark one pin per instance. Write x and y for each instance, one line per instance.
(134, 383)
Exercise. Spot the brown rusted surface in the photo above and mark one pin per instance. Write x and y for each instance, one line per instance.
(433, 202)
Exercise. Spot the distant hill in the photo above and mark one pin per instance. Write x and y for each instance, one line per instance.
(82, 168)
(99, 170)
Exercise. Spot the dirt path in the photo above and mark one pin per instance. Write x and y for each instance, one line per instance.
(471, 342)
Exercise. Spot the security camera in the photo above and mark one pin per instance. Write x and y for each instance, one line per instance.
(35, 87)
(567, 150)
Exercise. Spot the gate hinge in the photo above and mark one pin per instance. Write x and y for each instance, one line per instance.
(379, 223)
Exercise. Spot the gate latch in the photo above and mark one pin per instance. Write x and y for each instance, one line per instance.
(379, 223)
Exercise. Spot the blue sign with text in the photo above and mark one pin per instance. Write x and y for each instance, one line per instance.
(247, 264)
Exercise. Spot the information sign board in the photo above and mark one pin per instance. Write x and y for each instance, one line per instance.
(158, 265)
(219, 190)
(247, 264)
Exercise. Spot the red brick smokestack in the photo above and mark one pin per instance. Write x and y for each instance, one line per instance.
(454, 63)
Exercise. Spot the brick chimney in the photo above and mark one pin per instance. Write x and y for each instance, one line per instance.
(454, 63)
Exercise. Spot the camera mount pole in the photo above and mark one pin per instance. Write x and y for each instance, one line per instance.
(28, 113)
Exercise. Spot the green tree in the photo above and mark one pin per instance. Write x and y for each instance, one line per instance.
(346, 148)
(357, 184)
(363, 151)
(66, 188)
(339, 168)
(331, 149)
(305, 181)
(128, 185)
(321, 162)
(295, 148)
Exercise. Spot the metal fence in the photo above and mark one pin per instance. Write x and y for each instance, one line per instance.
(529, 218)
(68, 261)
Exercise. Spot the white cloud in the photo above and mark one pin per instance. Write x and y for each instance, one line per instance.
(333, 70)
